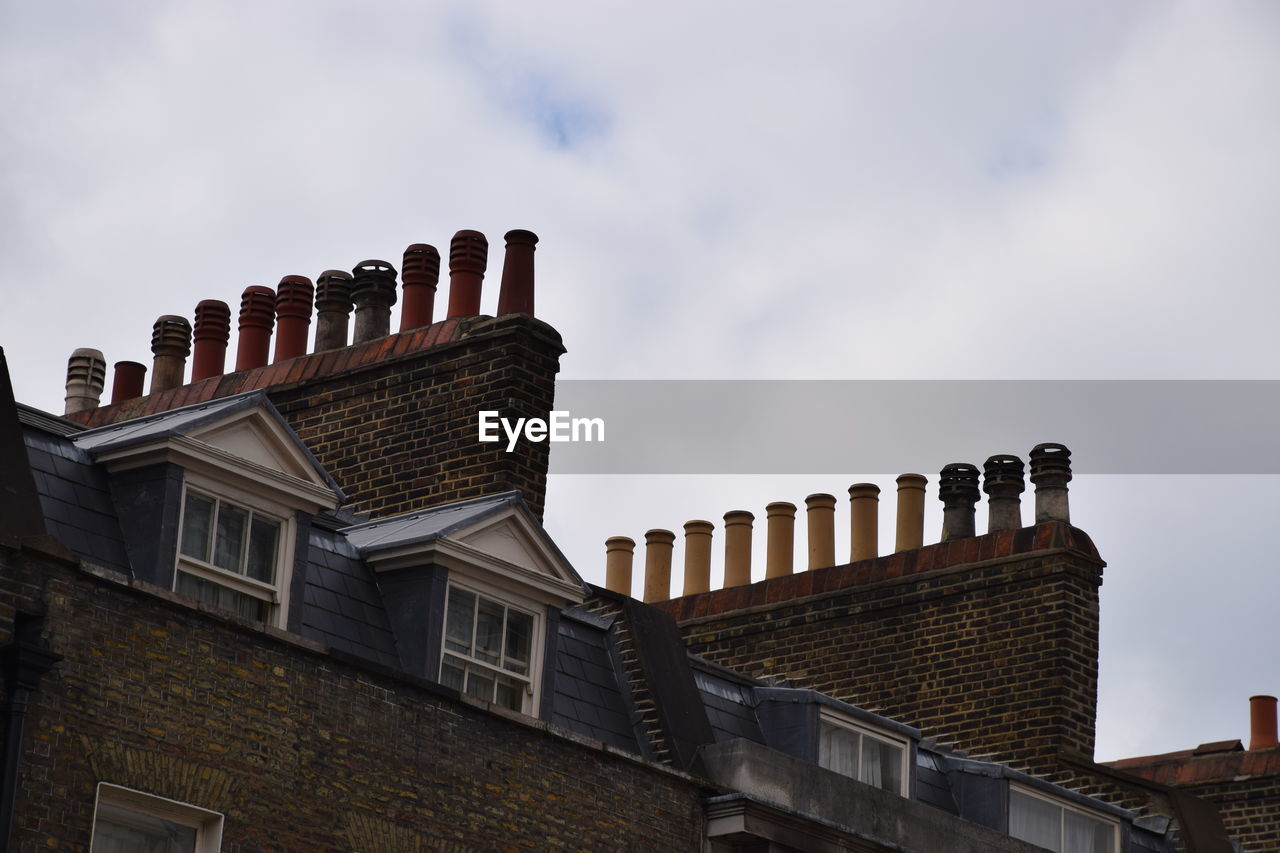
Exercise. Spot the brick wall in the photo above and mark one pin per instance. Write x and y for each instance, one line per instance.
(1250, 808)
(394, 420)
(303, 751)
(988, 644)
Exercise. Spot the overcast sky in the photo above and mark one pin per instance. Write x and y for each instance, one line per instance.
(724, 190)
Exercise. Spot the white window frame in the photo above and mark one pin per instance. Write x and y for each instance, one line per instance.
(206, 823)
(827, 717)
(533, 679)
(1064, 806)
(275, 594)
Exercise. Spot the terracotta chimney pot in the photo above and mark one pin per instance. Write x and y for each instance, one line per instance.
(737, 547)
(419, 275)
(820, 512)
(128, 382)
(619, 554)
(781, 539)
(1262, 722)
(864, 522)
(212, 333)
(468, 259)
(697, 556)
(516, 293)
(257, 318)
(910, 530)
(1050, 472)
(657, 564)
(293, 316)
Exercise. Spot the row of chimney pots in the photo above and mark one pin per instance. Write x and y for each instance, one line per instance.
(369, 289)
(1002, 479)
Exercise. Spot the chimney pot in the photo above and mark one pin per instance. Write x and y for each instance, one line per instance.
(257, 318)
(697, 556)
(293, 316)
(373, 289)
(468, 259)
(737, 547)
(212, 332)
(170, 344)
(1003, 481)
(910, 530)
(128, 381)
(516, 293)
(958, 491)
(419, 275)
(781, 539)
(1262, 722)
(333, 309)
(1050, 472)
(619, 553)
(820, 512)
(864, 522)
(86, 377)
(657, 564)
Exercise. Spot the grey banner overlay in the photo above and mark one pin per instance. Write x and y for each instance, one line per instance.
(895, 426)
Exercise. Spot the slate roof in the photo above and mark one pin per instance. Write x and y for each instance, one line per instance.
(74, 493)
(341, 603)
(587, 697)
(730, 702)
(427, 525)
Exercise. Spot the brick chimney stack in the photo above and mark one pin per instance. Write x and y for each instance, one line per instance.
(419, 275)
(86, 377)
(373, 289)
(516, 293)
(468, 259)
(958, 491)
(170, 346)
(212, 333)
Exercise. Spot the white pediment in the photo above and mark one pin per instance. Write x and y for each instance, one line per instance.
(510, 538)
(259, 439)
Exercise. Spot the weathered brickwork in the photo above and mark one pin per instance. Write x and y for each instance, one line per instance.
(395, 420)
(1250, 808)
(303, 751)
(996, 656)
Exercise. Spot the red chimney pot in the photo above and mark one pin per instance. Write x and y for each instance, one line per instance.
(468, 259)
(293, 316)
(257, 317)
(516, 294)
(419, 275)
(1262, 722)
(213, 330)
(128, 381)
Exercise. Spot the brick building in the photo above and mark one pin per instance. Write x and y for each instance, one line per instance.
(298, 606)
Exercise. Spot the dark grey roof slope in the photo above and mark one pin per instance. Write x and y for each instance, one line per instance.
(76, 499)
(427, 525)
(341, 603)
(730, 703)
(182, 421)
(587, 697)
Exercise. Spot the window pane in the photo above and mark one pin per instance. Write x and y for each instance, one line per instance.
(480, 684)
(1035, 820)
(263, 535)
(223, 598)
(510, 693)
(1084, 834)
(489, 618)
(197, 520)
(881, 764)
(232, 521)
(459, 621)
(519, 633)
(838, 750)
(121, 830)
(452, 671)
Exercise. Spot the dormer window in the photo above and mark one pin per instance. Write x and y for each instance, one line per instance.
(229, 556)
(488, 649)
(855, 750)
(1059, 826)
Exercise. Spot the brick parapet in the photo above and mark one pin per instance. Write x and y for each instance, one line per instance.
(987, 644)
(305, 750)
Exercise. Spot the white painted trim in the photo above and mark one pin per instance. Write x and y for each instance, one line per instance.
(207, 823)
(834, 718)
